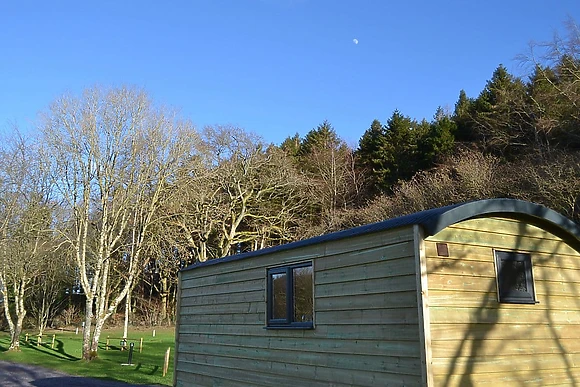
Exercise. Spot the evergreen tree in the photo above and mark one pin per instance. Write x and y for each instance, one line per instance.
(462, 118)
(370, 157)
(401, 148)
(291, 146)
(323, 136)
(494, 91)
(501, 114)
(439, 140)
(390, 153)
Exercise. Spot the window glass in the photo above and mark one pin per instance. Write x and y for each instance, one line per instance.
(279, 286)
(303, 295)
(514, 277)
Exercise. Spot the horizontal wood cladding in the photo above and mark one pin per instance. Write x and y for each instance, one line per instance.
(397, 332)
(456, 331)
(370, 301)
(269, 373)
(475, 340)
(243, 285)
(406, 315)
(278, 346)
(551, 377)
(448, 298)
(394, 284)
(225, 298)
(365, 271)
(200, 379)
(506, 364)
(366, 319)
(464, 252)
(502, 234)
(378, 253)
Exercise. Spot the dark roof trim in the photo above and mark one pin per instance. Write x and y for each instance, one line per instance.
(517, 209)
(435, 220)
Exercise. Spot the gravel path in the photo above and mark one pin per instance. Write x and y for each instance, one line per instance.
(15, 374)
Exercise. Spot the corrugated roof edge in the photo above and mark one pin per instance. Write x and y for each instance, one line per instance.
(433, 221)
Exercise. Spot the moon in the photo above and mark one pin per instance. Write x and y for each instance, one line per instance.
(355, 41)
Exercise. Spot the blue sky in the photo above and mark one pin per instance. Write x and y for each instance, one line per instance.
(274, 67)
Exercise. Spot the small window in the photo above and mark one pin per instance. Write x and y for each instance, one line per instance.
(514, 277)
(290, 296)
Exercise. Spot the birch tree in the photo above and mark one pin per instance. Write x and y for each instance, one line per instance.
(114, 154)
(26, 216)
(48, 292)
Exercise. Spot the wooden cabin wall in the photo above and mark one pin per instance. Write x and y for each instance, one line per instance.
(366, 320)
(475, 340)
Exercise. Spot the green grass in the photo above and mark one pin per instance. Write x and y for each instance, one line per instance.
(147, 366)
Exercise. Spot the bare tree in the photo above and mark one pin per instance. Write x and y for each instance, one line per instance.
(554, 87)
(48, 292)
(26, 217)
(234, 195)
(553, 180)
(114, 156)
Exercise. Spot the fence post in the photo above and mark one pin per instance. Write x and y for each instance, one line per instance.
(130, 361)
(166, 363)
(140, 345)
(53, 338)
(26, 339)
(107, 345)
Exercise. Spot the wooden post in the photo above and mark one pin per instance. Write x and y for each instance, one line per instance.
(166, 364)
(53, 338)
(38, 340)
(140, 345)
(107, 345)
(77, 331)
(153, 332)
(26, 339)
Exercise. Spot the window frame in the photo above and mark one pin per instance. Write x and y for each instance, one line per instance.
(507, 296)
(287, 322)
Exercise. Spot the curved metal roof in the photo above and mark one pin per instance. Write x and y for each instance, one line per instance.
(435, 220)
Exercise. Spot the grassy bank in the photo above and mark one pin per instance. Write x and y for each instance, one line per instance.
(147, 366)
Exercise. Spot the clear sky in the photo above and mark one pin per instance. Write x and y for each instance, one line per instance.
(274, 67)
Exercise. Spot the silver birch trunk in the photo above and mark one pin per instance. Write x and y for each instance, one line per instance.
(4, 292)
(127, 313)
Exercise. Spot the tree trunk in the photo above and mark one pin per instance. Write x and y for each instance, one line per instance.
(87, 355)
(10, 322)
(127, 313)
(97, 334)
(4, 293)
(19, 289)
(42, 317)
(15, 337)
(164, 292)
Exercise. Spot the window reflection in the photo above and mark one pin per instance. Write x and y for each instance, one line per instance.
(279, 296)
(303, 295)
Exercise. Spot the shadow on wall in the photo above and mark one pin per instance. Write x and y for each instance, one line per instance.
(475, 346)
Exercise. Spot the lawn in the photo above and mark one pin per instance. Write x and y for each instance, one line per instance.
(147, 366)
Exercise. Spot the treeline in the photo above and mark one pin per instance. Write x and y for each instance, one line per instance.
(115, 194)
